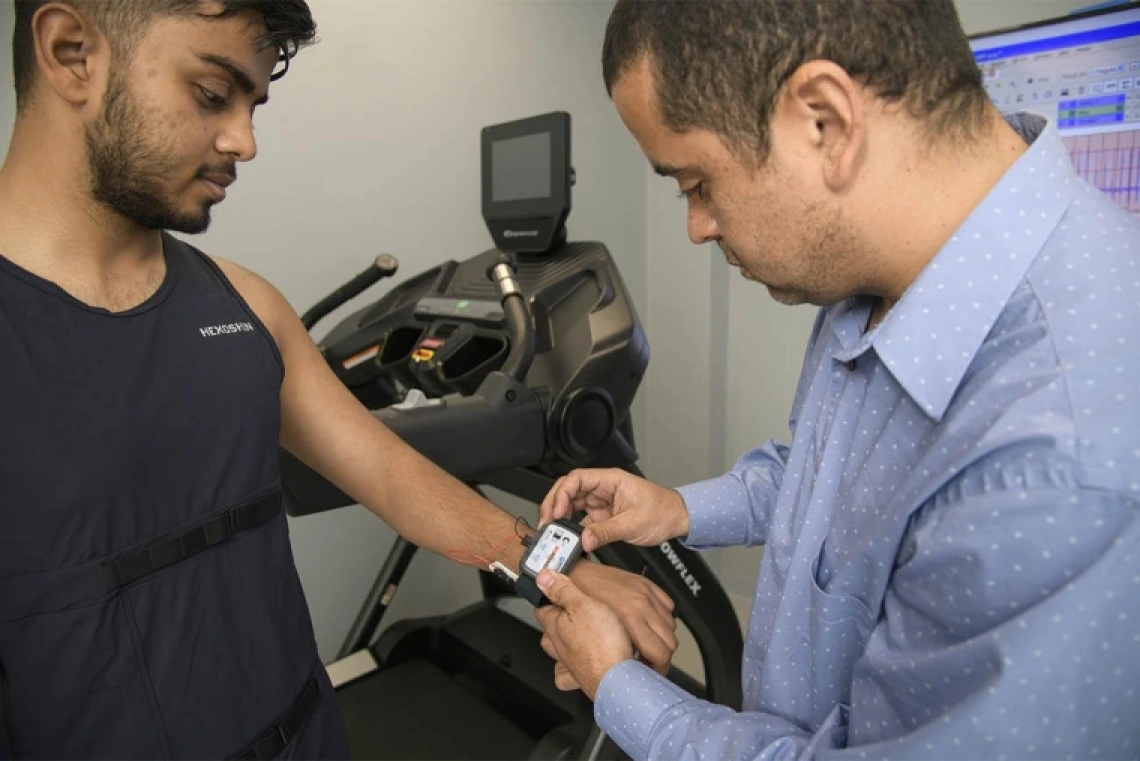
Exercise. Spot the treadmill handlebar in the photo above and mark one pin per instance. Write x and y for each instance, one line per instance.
(523, 337)
(502, 274)
(385, 265)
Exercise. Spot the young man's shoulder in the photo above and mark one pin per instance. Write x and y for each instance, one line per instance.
(260, 295)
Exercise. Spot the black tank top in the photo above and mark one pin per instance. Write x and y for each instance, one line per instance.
(149, 602)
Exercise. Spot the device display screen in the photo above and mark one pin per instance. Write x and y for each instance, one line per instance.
(520, 168)
(555, 545)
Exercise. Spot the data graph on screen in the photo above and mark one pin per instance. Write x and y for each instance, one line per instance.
(1111, 162)
(1083, 73)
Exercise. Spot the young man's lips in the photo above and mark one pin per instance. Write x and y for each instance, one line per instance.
(217, 185)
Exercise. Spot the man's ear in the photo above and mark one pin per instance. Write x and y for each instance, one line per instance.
(68, 49)
(824, 108)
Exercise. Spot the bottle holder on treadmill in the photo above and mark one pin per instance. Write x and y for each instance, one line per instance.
(468, 365)
(397, 351)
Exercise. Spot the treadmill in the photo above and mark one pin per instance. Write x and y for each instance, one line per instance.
(507, 369)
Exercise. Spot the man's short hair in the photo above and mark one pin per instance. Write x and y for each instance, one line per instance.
(289, 27)
(720, 64)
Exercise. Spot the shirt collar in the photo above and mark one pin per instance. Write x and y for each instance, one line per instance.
(931, 336)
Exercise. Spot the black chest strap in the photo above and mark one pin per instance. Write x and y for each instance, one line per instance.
(167, 552)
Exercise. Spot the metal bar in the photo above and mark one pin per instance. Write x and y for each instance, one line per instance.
(367, 622)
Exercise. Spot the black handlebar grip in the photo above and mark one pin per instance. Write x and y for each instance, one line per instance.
(384, 266)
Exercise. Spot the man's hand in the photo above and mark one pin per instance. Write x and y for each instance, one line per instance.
(643, 609)
(621, 507)
(584, 635)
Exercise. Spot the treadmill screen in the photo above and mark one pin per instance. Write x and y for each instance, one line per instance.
(520, 168)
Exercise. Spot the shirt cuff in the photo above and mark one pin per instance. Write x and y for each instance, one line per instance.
(630, 702)
(718, 513)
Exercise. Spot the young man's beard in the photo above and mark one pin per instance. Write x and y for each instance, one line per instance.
(128, 166)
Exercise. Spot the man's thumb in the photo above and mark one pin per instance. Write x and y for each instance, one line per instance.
(558, 588)
(605, 532)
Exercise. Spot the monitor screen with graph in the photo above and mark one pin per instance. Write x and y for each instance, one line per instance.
(1083, 72)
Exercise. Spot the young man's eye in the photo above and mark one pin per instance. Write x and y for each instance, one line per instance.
(211, 98)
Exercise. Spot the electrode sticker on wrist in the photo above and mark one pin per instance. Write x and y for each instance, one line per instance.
(553, 550)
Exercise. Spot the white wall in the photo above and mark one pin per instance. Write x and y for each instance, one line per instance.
(685, 432)
(7, 93)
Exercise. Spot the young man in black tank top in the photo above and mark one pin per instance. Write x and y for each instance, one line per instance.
(132, 117)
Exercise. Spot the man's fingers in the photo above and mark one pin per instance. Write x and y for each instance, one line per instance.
(559, 501)
(652, 629)
(660, 597)
(654, 650)
(658, 617)
(661, 668)
(546, 617)
(563, 592)
(546, 509)
(664, 611)
(548, 646)
(573, 490)
(656, 606)
(620, 527)
(564, 680)
(665, 633)
(593, 501)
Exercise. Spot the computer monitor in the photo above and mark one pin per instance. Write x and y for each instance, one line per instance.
(1082, 72)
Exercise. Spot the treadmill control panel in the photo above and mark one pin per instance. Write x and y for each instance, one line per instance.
(464, 309)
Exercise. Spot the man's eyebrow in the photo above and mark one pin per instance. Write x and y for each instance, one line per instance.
(240, 76)
(667, 170)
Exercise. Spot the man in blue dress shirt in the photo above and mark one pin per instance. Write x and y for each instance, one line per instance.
(952, 543)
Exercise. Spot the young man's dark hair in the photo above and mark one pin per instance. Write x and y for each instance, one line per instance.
(289, 27)
(719, 65)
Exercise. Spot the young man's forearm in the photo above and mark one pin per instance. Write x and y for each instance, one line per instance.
(435, 511)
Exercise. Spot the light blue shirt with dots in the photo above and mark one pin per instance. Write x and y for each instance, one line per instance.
(952, 542)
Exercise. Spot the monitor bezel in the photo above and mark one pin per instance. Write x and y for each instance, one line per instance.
(1054, 21)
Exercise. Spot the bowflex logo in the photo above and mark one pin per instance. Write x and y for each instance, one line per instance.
(686, 575)
(222, 330)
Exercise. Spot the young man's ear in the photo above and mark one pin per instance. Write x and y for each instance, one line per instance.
(68, 49)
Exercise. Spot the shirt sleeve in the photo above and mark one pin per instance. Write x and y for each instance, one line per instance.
(1010, 630)
(734, 509)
